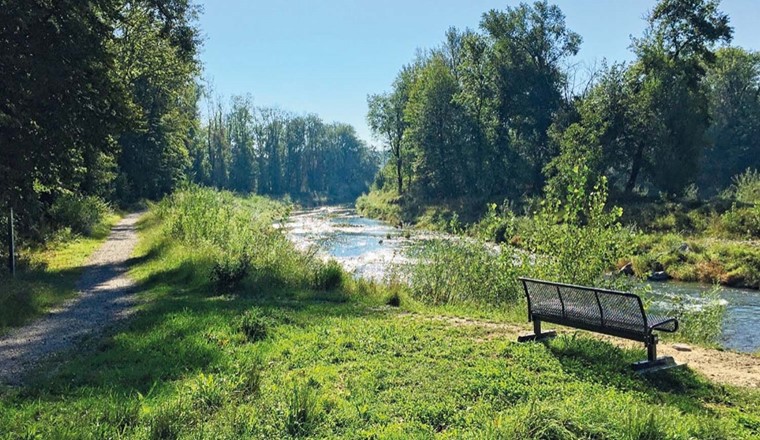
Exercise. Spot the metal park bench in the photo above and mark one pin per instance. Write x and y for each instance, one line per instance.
(598, 310)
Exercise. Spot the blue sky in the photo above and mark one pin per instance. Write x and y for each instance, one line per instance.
(324, 57)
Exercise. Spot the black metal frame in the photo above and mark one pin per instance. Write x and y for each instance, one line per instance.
(647, 337)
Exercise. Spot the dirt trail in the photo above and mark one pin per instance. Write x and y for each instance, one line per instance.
(725, 367)
(105, 296)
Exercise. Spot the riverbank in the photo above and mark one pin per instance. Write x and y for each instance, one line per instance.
(373, 249)
(704, 243)
(294, 348)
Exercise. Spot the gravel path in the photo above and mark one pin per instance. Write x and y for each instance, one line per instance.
(105, 296)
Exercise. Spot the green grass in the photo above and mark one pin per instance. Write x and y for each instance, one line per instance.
(47, 275)
(276, 358)
(384, 205)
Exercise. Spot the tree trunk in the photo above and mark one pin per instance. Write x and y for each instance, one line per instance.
(635, 168)
(399, 174)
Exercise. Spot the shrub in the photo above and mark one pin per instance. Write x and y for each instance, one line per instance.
(742, 222)
(746, 187)
(80, 213)
(575, 239)
(328, 276)
(495, 226)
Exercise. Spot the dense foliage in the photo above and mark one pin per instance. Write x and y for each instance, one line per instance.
(99, 102)
(269, 151)
(494, 113)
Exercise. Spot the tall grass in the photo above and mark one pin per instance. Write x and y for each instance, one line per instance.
(235, 235)
(703, 323)
(462, 271)
(746, 187)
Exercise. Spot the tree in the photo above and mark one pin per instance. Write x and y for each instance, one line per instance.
(529, 43)
(671, 57)
(155, 49)
(240, 129)
(386, 119)
(61, 105)
(733, 88)
(442, 134)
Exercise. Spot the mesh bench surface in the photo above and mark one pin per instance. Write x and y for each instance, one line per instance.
(600, 310)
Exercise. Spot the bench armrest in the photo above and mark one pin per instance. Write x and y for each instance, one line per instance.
(662, 323)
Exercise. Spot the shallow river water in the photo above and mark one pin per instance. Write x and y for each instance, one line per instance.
(369, 248)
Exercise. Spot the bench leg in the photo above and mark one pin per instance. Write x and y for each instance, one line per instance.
(653, 363)
(537, 334)
(652, 350)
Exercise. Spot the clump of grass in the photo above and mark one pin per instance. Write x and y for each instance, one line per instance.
(700, 324)
(207, 391)
(328, 276)
(303, 410)
(255, 325)
(166, 421)
(229, 271)
(250, 376)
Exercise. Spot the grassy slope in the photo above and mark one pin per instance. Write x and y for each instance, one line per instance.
(341, 364)
(47, 277)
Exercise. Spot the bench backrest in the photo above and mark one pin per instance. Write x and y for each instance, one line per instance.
(603, 310)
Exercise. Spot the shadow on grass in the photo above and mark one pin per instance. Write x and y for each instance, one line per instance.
(598, 361)
(172, 336)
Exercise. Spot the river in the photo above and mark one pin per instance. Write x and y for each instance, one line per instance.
(369, 248)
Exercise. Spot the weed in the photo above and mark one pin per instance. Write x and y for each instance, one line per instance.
(701, 323)
(207, 391)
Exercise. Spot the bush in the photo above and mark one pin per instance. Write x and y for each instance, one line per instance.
(80, 213)
(328, 276)
(742, 222)
(746, 187)
(495, 226)
(575, 239)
